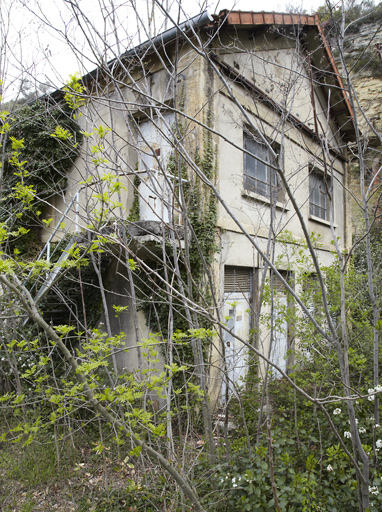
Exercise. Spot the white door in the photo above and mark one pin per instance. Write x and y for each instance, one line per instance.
(154, 196)
(154, 151)
(279, 349)
(237, 318)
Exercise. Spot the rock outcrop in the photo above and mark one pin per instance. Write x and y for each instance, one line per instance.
(363, 56)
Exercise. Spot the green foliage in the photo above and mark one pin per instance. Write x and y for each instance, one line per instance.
(47, 158)
(36, 464)
(74, 92)
(106, 480)
(43, 141)
(201, 209)
(311, 471)
(134, 212)
(358, 15)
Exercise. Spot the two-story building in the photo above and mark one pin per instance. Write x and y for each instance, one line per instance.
(224, 143)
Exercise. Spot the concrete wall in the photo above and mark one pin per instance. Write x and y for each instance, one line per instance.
(275, 66)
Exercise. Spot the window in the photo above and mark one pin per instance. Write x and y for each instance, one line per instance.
(319, 186)
(237, 279)
(154, 145)
(258, 176)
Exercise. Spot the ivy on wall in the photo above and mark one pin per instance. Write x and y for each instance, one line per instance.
(48, 142)
(201, 210)
(134, 211)
(78, 292)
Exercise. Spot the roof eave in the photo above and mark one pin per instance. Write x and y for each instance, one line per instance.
(241, 19)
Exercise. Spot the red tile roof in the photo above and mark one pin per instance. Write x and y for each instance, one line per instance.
(267, 18)
(245, 19)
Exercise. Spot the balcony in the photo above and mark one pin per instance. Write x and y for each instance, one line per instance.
(159, 212)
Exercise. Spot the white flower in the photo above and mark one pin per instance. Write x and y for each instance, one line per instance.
(378, 444)
(378, 387)
(347, 434)
(337, 411)
(376, 425)
(234, 484)
(370, 391)
(373, 490)
(329, 468)
(362, 430)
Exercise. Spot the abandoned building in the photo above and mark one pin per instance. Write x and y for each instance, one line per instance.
(222, 140)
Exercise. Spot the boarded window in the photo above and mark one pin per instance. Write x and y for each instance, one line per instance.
(237, 279)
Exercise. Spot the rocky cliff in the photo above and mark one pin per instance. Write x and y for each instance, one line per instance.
(363, 57)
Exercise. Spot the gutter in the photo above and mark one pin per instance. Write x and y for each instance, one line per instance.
(193, 24)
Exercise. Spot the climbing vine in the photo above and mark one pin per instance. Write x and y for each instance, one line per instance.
(42, 141)
(134, 211)
(201, 208)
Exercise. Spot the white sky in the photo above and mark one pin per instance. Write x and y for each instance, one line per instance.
(39, 33)
(269, 5)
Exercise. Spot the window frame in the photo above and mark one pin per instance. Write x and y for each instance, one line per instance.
(319, 206)
(258, 177)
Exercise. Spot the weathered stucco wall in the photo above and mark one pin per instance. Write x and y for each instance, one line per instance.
(130, 145)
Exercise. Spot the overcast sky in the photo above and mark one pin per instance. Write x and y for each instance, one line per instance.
(45, 41)
(267, 5)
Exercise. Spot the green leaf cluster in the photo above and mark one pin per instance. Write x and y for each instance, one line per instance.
(42, 142)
